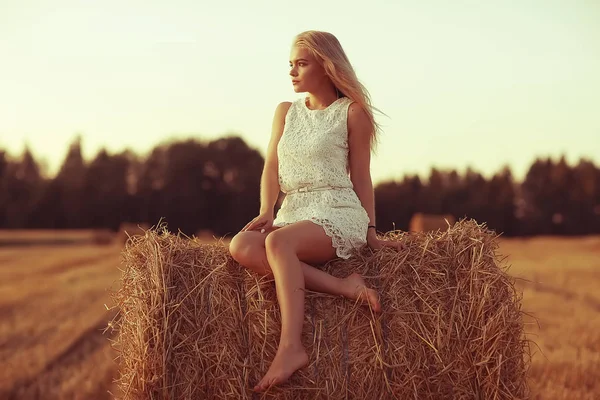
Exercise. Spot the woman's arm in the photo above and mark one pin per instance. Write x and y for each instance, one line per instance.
(359, 158)
(269, 181)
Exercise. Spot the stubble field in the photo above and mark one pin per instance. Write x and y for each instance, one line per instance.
(54, 287)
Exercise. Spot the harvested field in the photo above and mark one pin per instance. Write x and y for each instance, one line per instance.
(52, 312)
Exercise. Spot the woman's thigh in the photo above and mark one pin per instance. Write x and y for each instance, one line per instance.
(306, 239)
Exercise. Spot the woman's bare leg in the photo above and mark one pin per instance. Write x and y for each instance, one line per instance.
(284, 248)
(248, 249)
(289, 283)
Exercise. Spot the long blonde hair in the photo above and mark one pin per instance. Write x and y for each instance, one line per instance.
(329, 53)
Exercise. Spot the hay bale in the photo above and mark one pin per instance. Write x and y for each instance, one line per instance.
(129, 229)
(103, 237)
(195, 325)
(430, 222)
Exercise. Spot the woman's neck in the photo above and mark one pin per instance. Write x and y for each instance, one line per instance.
(321, 100)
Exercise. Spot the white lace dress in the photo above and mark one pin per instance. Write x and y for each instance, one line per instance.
(313, 158)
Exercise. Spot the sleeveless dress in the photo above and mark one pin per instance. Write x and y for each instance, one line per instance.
(314, 175)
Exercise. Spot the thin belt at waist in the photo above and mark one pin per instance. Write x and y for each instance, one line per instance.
(305, 189)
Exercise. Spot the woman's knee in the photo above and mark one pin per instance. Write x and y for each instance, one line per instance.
(238, 246)
(243, 247)
(276, 242)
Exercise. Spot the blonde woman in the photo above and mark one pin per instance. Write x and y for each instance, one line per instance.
(319, 156)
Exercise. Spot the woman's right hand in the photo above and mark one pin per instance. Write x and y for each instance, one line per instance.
(263, 222)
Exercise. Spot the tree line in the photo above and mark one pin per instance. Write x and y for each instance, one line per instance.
(215, 185)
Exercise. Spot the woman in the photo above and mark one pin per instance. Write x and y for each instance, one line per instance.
(319, 156)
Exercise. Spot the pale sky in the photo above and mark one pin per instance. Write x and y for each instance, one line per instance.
(479, 83)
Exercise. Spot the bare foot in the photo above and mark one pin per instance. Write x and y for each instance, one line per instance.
(358, 290)
(286, 362)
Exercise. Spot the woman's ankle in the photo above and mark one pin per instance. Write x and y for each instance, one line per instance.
(291, 345)
(348, 288)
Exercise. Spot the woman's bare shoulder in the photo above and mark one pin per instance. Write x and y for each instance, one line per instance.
(281, 112)
(283, 107)
(279, 119)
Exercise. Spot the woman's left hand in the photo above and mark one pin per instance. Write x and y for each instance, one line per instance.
(375, 243)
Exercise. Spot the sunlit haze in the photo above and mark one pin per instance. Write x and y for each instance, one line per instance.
(484, 84)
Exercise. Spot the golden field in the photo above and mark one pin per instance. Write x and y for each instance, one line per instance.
(54, 287)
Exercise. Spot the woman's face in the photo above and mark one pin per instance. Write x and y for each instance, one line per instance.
(305, 71)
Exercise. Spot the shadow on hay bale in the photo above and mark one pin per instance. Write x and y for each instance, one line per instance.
(195, 325)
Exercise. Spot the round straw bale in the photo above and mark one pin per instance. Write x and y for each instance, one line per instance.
(195, 325)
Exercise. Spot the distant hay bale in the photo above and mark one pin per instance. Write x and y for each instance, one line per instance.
(103, 237)
(205, 236)
(195, 325)
(128, 229)
(430, 222)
